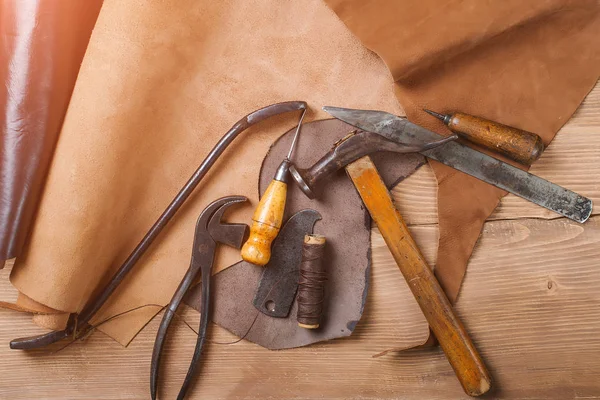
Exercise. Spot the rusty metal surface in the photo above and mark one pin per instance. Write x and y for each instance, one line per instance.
(279, 281)
(472, 162)
(209, 232)
(81, 322)
(349, 149)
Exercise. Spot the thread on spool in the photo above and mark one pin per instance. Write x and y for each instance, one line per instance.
(311, 282)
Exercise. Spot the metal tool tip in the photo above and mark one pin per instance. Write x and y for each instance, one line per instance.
(334, 108)
(586, 210)
(437, 115)
(295, 139)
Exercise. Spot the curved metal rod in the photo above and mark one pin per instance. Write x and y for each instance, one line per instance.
(94, 305)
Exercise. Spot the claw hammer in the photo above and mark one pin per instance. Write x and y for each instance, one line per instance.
(352, 153)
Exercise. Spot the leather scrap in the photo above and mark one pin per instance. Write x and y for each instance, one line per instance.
(345, 223)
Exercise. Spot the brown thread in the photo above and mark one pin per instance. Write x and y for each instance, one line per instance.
(83, 335)
(311, 282)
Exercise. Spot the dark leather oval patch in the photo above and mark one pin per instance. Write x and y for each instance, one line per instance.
(345, 223)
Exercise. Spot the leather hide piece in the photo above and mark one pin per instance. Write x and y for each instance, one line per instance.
(526, 64)
(42, 44)
(346, 225)
(161, 82)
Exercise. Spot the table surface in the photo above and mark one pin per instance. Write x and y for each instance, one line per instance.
(530, 300)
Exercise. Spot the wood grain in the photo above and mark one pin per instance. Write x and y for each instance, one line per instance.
(530, 301)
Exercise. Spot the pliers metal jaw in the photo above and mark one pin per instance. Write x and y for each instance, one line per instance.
(210, 230)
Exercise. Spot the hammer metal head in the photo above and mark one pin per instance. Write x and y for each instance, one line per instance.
(350, 149)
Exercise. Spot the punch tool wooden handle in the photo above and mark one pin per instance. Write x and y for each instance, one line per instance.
(518, 145)
(436, 307)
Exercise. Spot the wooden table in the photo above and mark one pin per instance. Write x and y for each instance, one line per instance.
(531, 300)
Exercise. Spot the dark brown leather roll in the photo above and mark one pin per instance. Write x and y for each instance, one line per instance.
(42, 44)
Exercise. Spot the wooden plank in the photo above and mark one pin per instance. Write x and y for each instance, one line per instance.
(531, 301)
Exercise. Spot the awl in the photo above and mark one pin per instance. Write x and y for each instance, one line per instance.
(518, 145)
(471, 162)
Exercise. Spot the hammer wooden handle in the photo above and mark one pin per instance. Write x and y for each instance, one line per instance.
(446, 326)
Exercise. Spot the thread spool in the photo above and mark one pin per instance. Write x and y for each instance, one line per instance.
(311, 282)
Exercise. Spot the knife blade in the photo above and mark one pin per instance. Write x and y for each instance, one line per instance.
(472, 162)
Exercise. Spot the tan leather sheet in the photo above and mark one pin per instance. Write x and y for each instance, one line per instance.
(160, 83)
(527, 64)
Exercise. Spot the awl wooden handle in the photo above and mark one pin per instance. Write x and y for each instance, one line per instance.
(266, 222)
(444, 323)
(516, 144)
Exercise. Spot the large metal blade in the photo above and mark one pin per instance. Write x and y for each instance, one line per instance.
(471, 162)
